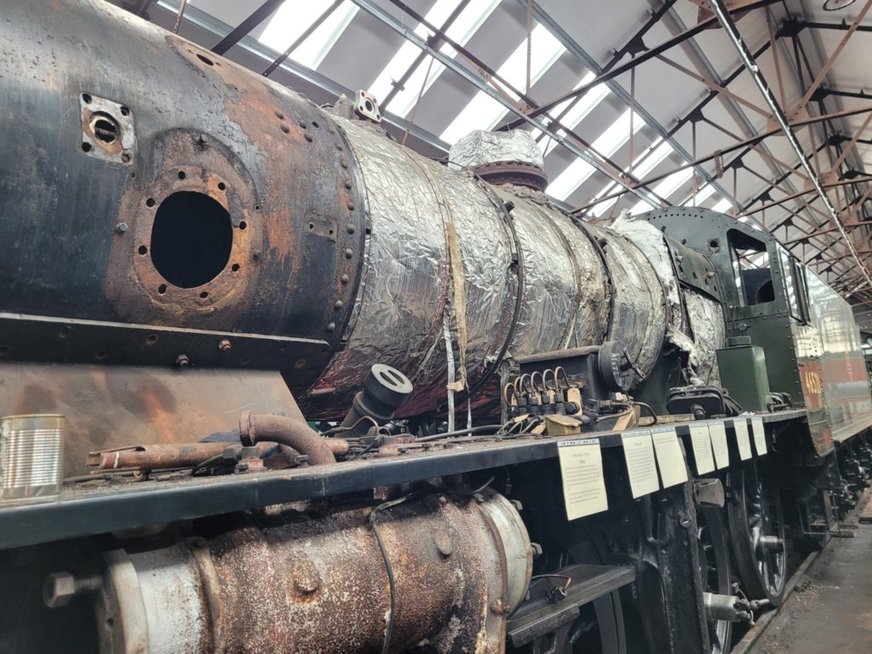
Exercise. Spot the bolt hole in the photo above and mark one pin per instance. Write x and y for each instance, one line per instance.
(162, 289)
(285, 129)
(221, 186)
(100, 356)
(257, 207)
(125, 111)
(182, 174)
(280, 115)
(242, 224)
(86, 98)
(235, 267)
(125, 157)
(315, 124)
(330, 232)
(86, 147)
(205, 59)
(311, 225)
(149, 202)
(204, 294)
(132, 175)
(142, 249)
(246, 361)
(714, 245)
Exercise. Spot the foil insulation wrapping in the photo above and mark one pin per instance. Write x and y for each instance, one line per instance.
(505, 271)
(439, 248)
(480, 148)
(638, 316)
(709, 335)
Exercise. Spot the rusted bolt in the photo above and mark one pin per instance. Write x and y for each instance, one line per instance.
(182, 361)
(443, 500)
(121, 228)
(60, 587)
(343, 161)
(303, 124)
(306, 577)
(443, 543)
(339, 304)
(347, 184)
(350, 229)
(331, 326)
(498, 607)
(308, 137)
(349, 253)
(350, 205)
(684, 521)
(224, 345)
(344, 279)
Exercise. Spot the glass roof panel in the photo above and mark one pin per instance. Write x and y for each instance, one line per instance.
(460, 31)
(723, 205)
(576, 173)
(294, 18)
(483, 112)
(578, 112)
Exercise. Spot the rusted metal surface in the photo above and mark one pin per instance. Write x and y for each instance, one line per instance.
(185, 455)
(112, 406)
(274, 167)
(292, 432)
(295, 581)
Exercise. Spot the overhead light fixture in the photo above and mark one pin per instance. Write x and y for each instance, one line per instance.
(836, 5)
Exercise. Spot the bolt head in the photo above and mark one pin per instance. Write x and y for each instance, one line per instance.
(182, 361)
(59, 588)
(224, 345)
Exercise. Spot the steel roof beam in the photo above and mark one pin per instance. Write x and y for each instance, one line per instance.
(639, 59)
(738, 43)
(575, 48)
(601, 163)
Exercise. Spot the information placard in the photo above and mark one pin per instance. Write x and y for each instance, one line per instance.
(584, 487)
(702, 449)
(670, 459)
(759, 435)
(719, 444)
(641, 466)
(742, 438)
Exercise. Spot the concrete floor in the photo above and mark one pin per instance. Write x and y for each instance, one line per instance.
(831, 608)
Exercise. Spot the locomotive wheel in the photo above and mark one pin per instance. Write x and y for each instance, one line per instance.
(714, 563)
(757, 533)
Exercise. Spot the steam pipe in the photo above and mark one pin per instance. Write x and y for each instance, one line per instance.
(293, 433)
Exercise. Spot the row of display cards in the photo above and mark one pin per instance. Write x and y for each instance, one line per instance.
(647, 452)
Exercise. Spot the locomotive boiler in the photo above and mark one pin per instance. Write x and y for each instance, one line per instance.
(313, 382)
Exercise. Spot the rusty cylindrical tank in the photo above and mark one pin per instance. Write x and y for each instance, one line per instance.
(167, 207)
(293, 583)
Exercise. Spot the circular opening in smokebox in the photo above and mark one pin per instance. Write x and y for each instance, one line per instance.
(190, 239)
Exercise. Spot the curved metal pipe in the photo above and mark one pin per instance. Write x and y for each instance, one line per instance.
(292, 432)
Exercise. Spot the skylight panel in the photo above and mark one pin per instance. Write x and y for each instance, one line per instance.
(724, 205)
(460, 31)
(642, 165)
(293, 18)
(579, 111)
(606, 144)
(664, 189)
(483, 112)
(701, 196)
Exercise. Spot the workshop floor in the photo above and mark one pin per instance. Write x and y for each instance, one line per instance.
(831, 608)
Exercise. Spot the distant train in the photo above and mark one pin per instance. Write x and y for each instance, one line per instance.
(273, 382)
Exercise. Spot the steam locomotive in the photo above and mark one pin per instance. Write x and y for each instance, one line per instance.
(308, 391)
